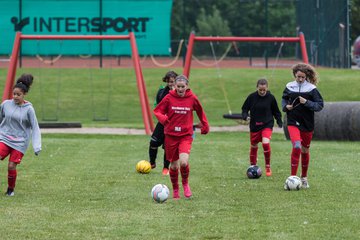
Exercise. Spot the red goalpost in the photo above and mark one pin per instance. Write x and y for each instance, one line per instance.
(192, 39)
(145, 107)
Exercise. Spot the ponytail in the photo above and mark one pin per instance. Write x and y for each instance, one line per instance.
(24, 82)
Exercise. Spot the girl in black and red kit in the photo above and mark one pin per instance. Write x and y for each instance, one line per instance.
(263, 108)
(157, 138)
(300, 100)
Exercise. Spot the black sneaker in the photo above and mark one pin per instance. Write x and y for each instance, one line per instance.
(10, 192)
(153, 165)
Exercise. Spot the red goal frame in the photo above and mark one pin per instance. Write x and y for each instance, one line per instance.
(145, 107)
(192, 39)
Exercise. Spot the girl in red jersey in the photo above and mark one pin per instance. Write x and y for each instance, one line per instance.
(263, 108)
(300, 100)
(175, 112)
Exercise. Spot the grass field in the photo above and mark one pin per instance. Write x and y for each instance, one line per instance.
(86, 187)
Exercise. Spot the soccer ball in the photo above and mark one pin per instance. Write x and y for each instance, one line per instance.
(292, 183)
(143, 166)
(160, 193)
(254, 172)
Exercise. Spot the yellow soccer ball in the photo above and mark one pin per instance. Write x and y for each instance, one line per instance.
(143, 166)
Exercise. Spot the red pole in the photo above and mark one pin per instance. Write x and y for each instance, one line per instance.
(7, 94)
(247, 39)
(189, 52)
(76, 37)
(141, 87)
(303, 48)
(147, 105)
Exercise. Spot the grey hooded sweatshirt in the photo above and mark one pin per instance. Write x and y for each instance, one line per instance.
(17, 124)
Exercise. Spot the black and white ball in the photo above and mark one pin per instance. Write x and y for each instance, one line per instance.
(254, 172)
(292, 183)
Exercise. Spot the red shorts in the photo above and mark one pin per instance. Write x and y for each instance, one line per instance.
(297, 135)
(256, 137)
(15, 155)
(176, 145)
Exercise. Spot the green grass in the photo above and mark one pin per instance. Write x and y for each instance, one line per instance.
(82, 98)
(86, 187)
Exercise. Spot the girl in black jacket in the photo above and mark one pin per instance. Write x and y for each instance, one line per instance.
(300, 100)
(157, 138)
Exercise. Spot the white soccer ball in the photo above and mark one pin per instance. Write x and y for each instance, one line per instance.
(292, 183)
(160, 193)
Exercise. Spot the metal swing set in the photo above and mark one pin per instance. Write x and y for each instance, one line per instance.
(145, 108)
(189, 56)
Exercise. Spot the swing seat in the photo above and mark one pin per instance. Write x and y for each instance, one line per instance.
(238, 117)
(59, 125)
(234, 116)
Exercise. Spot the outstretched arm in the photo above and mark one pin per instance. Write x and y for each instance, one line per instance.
(36, 134)
(202, 117)
(160, 111)
(276, 112)
(245, 109)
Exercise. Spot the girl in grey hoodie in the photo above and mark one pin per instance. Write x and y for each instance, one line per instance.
(18, 124)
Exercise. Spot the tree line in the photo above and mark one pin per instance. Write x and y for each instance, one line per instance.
(243, 18)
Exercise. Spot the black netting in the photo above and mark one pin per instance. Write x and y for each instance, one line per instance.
(325, 24)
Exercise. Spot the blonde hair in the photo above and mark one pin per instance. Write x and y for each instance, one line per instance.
(311, 74)
(182, 78)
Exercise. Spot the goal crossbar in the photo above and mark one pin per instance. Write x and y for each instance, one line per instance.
(145, 107)
(192, 39)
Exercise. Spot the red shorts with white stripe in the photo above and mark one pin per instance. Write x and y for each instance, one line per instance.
(176, 145)
(15, 155)
(256, 137)
(298, 135)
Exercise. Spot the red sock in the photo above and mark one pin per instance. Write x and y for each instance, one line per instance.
(295, 155)
(12, 178)
(185, 174)
(267, 153)
(174, 175)
(305, 158)
(253, 155)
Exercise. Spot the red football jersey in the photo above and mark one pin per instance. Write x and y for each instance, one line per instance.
(176, 114)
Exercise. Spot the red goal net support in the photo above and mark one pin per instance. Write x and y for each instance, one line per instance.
(192, 39)
(145, 107)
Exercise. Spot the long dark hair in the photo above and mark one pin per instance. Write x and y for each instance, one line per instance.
(168, 75)
(24, 82)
